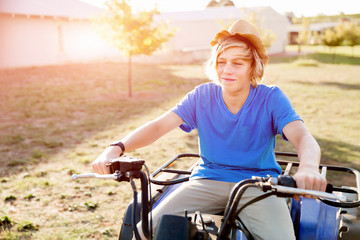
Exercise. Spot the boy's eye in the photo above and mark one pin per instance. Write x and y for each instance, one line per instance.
(238, 63)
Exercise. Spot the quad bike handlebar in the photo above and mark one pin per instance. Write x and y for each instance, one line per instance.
(128, 168)
(288, 188)
(125, 167)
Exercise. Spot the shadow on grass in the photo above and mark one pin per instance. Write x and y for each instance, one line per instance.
(335, 58)
(282, 59)
(345, 86)
(320, 57)
(342, 86)
(340, 152)
(54, 108)
(332, 152)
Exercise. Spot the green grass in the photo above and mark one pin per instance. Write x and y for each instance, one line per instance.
(329, 102)
(302, 62)
(332, 55)
(57, 119)
(342, 50)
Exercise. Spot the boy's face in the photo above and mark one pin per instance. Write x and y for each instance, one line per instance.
(233, 70)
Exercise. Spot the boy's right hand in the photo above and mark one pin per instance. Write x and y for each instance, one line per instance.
(99, 165)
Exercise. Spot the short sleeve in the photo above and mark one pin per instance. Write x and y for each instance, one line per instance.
(282, 111)
(186, 110)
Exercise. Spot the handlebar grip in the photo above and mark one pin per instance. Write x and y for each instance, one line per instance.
(288, 181)
(329, 188)
(288, 191)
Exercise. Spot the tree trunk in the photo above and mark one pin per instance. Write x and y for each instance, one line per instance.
(129, 76)
(334, 55)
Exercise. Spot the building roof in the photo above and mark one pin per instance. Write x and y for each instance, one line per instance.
(313, 26)
(56, 8)
(210, 13)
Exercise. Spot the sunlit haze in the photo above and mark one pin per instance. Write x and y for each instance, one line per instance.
(299, 8)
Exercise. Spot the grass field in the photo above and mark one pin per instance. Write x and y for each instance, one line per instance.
(324, 54)
(55, 120)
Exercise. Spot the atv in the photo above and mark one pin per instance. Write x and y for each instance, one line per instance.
(333, 215)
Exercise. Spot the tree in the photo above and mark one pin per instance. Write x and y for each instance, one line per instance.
(346, 33)
(304, 34)
(226, 3)
(212, 3)
(315, 38)
(351, 34)
(267, 35)
(221, 3)
(332, 39)
(132, 33)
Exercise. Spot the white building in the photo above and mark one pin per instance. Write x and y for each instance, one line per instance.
(195, 29)
(46, 32)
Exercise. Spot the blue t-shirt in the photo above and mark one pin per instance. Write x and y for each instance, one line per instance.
(236, 147)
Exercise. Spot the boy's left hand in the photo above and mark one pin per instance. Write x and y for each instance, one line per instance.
(309, 179)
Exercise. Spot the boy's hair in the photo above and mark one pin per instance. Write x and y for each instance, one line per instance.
(250, 54)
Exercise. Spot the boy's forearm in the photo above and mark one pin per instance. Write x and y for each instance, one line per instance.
(141, 137)
(309, 153)
(151, 131)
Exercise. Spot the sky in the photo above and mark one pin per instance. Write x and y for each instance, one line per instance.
(300, 8)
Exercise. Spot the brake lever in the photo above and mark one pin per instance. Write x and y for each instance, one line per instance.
(299, 191)
(113, 176)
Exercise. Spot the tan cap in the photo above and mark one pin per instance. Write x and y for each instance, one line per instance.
(245, 30)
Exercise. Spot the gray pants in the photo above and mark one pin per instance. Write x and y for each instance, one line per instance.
(265, 219)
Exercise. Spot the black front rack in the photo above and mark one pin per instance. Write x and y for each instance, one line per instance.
(183, 176)
(165, 169)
